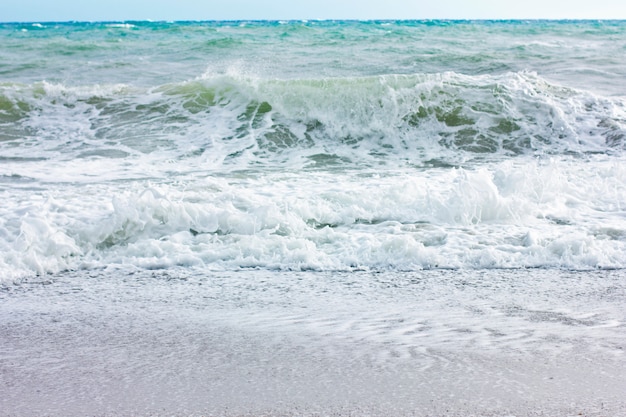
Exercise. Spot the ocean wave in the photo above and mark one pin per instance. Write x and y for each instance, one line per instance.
(559, 213)
(445, 117)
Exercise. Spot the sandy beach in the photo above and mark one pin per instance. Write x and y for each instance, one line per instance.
(168, 344)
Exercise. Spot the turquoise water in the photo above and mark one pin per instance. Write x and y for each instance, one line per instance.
(164, 52)
(155, 53)
(332, 145)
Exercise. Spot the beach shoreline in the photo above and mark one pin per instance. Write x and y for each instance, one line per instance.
(99, 344)
(313, 218)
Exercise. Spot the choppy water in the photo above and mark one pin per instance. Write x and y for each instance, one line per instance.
(331, 207)
(312, 145)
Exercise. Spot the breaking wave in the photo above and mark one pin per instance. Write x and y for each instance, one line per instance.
(244, 122)
(397, 172)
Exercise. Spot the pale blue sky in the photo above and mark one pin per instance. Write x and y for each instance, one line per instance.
(61, 10)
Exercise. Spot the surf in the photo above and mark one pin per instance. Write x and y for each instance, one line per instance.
(234, 120)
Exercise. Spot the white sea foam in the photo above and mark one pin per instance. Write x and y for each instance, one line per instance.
(561, 212)
(371, 170)
(231, 122)
(121, 25)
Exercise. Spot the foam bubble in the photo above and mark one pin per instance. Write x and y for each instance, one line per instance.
(520, 213)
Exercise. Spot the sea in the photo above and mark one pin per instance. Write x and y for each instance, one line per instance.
(313, 218)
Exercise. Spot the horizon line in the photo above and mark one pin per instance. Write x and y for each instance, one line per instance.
(306, 20)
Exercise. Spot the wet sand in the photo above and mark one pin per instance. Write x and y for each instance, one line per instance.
(159, 346)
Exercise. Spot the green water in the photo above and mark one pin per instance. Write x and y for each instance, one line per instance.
(152, 53)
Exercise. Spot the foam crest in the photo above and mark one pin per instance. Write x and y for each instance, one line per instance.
(237, 122)
(511, 214)
(37, 239)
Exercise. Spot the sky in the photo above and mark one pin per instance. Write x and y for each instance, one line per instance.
(107, 10)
